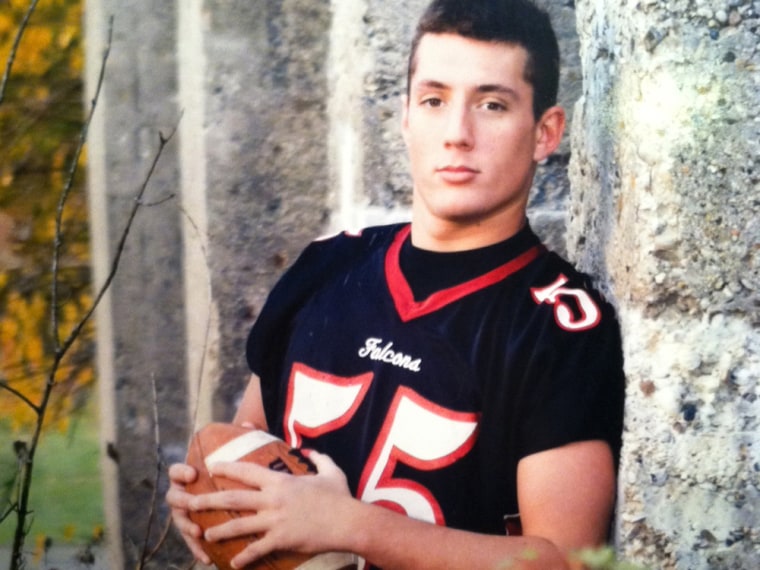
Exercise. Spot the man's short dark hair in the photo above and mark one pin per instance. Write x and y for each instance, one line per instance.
(517, 22)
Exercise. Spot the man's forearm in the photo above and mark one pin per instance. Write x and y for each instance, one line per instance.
(393, 541)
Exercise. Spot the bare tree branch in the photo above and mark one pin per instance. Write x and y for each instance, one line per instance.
(58, 243)
(207, 331)
(5, 386)
(11, 508)
(14, 48)
(138, 202)
(145, 555)
(161, 540)
(26, 466)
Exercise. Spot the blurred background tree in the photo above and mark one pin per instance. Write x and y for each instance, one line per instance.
(41, 117)
(40, 121)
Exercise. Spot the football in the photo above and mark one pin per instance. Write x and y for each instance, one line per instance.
(220, 442)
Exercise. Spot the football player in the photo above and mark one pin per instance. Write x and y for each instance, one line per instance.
(461, 386)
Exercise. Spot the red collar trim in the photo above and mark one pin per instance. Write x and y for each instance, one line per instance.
(401, 293)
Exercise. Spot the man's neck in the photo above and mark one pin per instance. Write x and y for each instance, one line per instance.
(434, 234)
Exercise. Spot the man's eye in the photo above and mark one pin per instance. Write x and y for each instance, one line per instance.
(432, 102)
(495, 106)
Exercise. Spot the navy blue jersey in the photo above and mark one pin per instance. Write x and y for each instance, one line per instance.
(429, 404)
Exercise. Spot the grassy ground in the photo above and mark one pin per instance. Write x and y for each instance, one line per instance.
(66, 492)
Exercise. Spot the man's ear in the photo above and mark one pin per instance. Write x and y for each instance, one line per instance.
(405, 118)
(549, 130)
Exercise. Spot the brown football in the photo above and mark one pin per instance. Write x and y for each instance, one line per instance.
(220, 442)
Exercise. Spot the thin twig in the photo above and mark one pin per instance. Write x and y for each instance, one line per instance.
(138, 202)
(11, 508)
(207, 331)
(58, 243)
(145, 555)
(148, 553)
(161, 540)
(20, 396)
(14, 48)
(159, 201)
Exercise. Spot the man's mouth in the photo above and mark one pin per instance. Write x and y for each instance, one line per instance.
(457, 174)
(462, 168)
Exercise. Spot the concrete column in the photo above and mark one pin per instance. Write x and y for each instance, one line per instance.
(239, 191)
(665, 208)
(264, 134)
(141, 347)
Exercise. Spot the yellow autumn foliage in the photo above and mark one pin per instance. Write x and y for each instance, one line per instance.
(7, 23)
(31, 58)
(18, 4)
(40, 120)
(26, 356)
(40, 546)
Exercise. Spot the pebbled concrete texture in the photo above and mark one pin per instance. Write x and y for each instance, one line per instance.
(664, 208)
(267, 185)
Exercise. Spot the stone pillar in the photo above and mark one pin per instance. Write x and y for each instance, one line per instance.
(547, 208)
(261, 135)
(238, 192)
(369, 43)
(141, 348)
(665, 204)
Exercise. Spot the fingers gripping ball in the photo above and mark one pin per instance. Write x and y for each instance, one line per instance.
(218, 442)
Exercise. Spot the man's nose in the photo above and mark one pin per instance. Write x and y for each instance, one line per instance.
(459, 128)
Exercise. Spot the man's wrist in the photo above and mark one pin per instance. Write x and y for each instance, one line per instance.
(352, 527)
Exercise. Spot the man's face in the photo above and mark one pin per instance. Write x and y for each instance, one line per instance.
(472, 138)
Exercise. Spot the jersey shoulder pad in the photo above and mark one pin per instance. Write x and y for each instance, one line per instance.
(320, 261)
(576, 304)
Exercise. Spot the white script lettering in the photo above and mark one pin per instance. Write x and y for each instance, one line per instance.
(374, 351)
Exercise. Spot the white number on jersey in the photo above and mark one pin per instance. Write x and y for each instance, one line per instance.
(416, 432)
(319, 403)
(420, 434)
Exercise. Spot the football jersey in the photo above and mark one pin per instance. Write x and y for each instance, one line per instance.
(429, 404)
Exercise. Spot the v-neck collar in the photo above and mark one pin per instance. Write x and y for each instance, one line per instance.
(408, 309)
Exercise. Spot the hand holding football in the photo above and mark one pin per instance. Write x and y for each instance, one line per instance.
(219, 442)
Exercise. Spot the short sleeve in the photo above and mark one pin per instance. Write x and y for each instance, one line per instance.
(577, 387)
(321, 261)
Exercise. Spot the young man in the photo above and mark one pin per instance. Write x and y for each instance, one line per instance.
(456, 378)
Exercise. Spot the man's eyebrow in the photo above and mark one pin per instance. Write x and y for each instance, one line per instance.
(498, 89)
(430, 84)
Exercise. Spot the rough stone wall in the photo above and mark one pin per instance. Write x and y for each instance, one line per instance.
(548, 204)
(665, 204)
(238, 192)
(267, 182)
